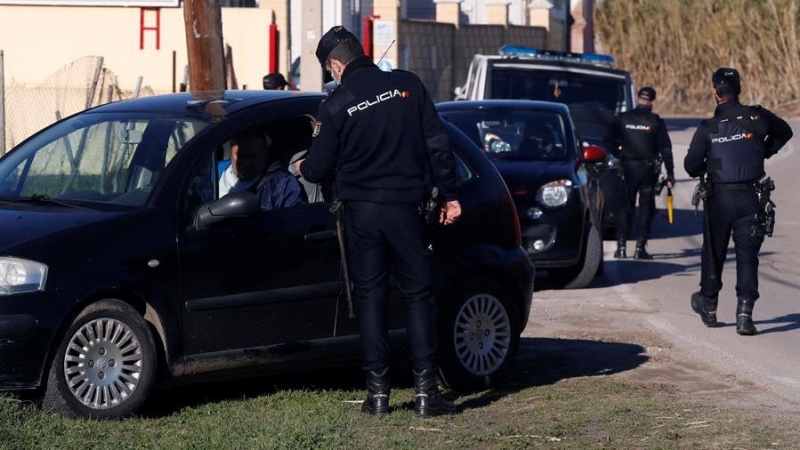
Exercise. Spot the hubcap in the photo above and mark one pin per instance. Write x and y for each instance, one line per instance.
(103, 363)
(482, 334)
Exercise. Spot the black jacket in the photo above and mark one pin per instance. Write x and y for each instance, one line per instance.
(378, 134)
(642, 136)
(774, 131)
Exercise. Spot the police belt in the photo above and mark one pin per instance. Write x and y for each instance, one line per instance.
(734, 186)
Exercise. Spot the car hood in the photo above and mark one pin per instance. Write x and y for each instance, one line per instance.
(21, 225)
(528, 176)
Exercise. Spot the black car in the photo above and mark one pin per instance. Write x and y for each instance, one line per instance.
(120, 264)
(554, 180)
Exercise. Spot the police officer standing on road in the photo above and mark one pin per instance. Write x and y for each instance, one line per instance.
(376, 135)
(731, 148)
(642, 136)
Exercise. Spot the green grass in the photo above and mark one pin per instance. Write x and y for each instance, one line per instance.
(598, 412)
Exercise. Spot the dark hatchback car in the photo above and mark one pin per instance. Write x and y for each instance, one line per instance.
(554, 180)
(119, 265)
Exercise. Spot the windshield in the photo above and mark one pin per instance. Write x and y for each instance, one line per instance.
(582, 90)
(514, 135)
(101, 158)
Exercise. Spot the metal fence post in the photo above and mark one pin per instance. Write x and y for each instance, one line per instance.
(95, 79)
(2, 106)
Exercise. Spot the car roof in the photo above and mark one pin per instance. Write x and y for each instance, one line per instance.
(566, 64)
(460, 105)
(199, 103)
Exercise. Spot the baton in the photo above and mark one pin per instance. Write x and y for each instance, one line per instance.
(337, 208)
(669, 205)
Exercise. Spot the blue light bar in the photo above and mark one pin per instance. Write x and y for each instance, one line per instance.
(588, 58)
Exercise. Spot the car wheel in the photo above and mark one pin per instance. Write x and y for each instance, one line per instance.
(479, 336)
(579, 276)
(105, 364)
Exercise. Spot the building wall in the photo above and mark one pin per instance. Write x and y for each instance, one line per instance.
(440, 53)
(63, 34)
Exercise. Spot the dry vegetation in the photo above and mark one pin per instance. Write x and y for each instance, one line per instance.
(675, 45)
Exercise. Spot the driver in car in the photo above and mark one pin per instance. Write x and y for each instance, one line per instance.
(252, 169)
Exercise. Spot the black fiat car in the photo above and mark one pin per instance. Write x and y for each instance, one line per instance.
(553, 178)
(120, 264)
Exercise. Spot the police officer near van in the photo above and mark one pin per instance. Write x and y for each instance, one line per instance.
(730, 149)
(376, 135)
(638, 137)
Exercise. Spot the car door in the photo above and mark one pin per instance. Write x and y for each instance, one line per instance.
(257, 281)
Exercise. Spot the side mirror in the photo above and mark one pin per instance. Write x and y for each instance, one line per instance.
(460, 92)
(237, 205)
(594, 154)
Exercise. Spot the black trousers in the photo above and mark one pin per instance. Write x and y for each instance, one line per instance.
(379, 236)
(640, 180)
(730, 212)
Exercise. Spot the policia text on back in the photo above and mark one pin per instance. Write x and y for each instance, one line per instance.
(728, 153)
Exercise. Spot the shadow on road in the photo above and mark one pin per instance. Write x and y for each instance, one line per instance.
(540, 361)
(544, 361)
(788, 322)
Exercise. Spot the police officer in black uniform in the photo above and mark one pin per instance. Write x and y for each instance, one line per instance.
(377, 134)
(731, 148)
(638, 137)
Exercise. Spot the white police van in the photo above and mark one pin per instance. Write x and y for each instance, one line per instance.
(590, 86)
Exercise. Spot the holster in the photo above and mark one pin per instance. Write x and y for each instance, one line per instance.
(765, 218)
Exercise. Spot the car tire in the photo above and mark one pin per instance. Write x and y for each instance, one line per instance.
(105, 364)
(582, 274)
(479, 336)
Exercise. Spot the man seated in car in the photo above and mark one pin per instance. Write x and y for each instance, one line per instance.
(252, 169)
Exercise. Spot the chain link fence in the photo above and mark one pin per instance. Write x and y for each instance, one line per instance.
(79, 85)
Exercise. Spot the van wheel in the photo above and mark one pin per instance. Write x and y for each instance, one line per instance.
(479, 336)
(105, 364)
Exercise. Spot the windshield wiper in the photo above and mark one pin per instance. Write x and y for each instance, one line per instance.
(42, 199)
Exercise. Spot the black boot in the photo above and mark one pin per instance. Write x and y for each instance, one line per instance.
(706, 307)
(621, 252)
(640, 252)
(428, 401)
(377, 402)
(744, 317)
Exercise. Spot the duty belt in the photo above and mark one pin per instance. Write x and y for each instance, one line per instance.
(733, 186)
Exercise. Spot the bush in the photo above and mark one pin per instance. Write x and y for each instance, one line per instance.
(675, 46)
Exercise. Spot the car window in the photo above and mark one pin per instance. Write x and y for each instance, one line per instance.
(571, 88)
(514, 135)
(99, 158)
(265, 153)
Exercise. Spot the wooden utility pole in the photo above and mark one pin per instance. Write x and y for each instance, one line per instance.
(203, 20)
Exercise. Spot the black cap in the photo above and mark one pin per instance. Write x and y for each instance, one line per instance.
(330, 40)
(647, 93)
(725, 76)
(274, 80)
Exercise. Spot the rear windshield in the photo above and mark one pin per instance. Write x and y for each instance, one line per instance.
(514, 135)
(573, 89)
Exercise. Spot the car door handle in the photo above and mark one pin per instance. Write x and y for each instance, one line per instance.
(320, 236)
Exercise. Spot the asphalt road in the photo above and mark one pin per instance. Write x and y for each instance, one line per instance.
(770, 360)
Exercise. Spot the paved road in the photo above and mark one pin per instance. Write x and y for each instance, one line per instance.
(770, 360)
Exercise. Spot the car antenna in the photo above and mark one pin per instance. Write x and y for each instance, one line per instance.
(385, 52)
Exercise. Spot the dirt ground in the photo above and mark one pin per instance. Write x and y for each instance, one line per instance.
(605, 330)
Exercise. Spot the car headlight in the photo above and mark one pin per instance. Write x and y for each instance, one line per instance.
(19, 275)
(554, 194)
